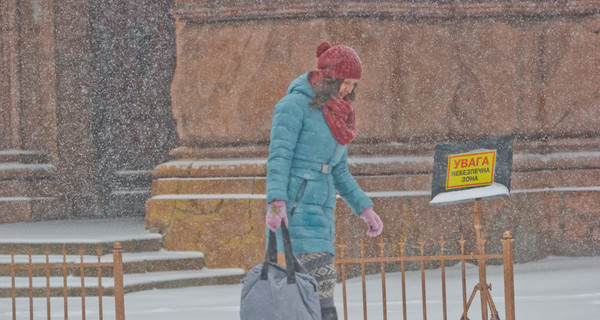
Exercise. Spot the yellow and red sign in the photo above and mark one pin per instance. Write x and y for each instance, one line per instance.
(470, 169)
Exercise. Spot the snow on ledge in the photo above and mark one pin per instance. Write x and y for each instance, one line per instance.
(216, 162)
(495, 190)
(76, 231)
(558, 189)
(209, 196)
(392, 194)
(378, 194)
(492, 191)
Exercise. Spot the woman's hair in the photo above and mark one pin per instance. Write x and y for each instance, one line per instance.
(328, 89)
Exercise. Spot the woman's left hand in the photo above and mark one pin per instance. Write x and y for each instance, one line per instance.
(373, 222)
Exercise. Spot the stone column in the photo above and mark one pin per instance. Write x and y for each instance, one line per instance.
(75, 76)
(84, 95)
(433, 72)
(10, 97)
(133, 58)
(47, 147)
(28, 150)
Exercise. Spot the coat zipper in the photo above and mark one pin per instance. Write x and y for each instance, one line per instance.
(299, 195)
(327, 178)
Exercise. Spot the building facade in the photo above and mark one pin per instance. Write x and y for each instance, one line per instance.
(434, 72)
(99, 99)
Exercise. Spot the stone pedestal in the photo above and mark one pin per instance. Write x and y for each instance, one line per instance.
(27, 182)
(433, 72)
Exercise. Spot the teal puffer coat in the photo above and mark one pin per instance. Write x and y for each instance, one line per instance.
(306, 167)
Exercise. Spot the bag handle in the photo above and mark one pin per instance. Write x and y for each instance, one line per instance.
(292, 265)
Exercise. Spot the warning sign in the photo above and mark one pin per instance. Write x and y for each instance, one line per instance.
(470, 169)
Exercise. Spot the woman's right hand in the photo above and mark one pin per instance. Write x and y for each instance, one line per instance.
(276, 214)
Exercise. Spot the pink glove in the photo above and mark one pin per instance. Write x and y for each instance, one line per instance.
(372, 220)
(276, 214)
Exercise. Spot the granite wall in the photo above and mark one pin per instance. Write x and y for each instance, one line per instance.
(434, 72)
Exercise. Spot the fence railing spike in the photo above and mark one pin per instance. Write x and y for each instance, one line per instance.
(381, 246)
(365, 259)
(442, 244)
(29, 266)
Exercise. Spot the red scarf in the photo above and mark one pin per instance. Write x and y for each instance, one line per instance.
(339, 115)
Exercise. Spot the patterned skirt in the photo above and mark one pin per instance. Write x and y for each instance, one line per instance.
(320, 266)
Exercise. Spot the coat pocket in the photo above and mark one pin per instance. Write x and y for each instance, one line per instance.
(308, 187)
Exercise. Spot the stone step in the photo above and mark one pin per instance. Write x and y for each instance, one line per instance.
(152, 242)
(23, 156)
(239, 185)
(17, 170)
(131, 202)
(131, 282)
(257, 167)
(140, 262)
(129, 191)
(146, 265)
(21, 188)
(126, 179)
(22, 208)
(72, 233)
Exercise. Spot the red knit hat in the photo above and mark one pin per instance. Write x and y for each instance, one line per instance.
(338, 62)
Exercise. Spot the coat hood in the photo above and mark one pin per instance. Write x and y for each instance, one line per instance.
(301, 85)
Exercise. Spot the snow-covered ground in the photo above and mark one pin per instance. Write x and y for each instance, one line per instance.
(553, 288)
(76, 231)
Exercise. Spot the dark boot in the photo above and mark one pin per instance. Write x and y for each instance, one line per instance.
(329, 314)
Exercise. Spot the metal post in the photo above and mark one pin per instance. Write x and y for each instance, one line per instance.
(48, 311)
(82, 271)
(480, 261)
(443, 267)
(362, 272)
(118, 281)
(463, 275)
(509, 280)
(65, 287)
(100, 311)
(343, 270)
(13, 287)
(403, 269)
(383, 289)
(30, 269)
(423, 293)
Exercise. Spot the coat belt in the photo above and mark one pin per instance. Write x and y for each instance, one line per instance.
(312, 165)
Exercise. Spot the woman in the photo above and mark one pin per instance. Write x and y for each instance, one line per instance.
(307, 164)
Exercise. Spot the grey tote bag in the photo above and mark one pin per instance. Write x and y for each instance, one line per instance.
(274, 292)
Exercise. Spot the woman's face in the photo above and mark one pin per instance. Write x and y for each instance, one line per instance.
(346, 87)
